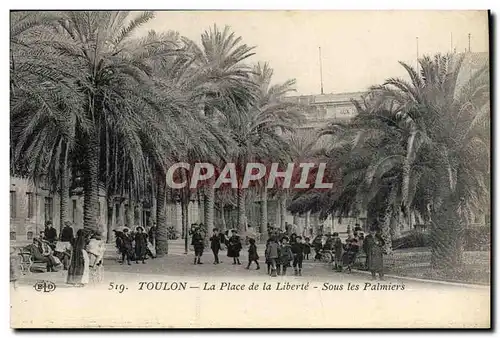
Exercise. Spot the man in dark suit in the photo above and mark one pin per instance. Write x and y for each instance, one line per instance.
(215, 244)
(50, 232)
(67, 233)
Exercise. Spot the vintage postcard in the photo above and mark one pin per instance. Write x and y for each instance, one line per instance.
(250, 169)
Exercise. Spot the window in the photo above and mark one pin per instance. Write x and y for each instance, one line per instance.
(74, 211)
(117, 212)
(98, 208)
(49, 208)
(29, 196)
(13, 205)
(145, 217)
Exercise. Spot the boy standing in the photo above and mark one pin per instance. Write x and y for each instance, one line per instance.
(272, 255)
(252, 254)
(198, 243)
(286, 256)
(307, 248)
(337, 248)
(298, 255)
(215, 242)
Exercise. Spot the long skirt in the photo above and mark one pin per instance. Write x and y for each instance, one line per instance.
(233, 251)
(78, 272)
(375, 259)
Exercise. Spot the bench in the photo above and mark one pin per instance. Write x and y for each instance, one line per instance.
(27, 262)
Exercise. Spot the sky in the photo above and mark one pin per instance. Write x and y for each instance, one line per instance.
(359, 48)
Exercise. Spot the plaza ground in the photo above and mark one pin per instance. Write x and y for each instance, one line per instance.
(177, 264)
(421, 303)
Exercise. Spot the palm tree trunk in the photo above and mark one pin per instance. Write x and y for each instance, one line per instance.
(396, 225)
(282, 213)
(223, 217)
(64, 190)
(209, 206)
(263, 214)
(201, 206)
(307, 224)
(110, 206)
(185, 221)
(169, 210)
(447, 237)
(386, 229)
(161, 224)
(91, 183)
(407, 171)
(130, 214)
(241, 211)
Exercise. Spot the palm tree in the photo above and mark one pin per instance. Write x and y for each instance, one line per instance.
(222, 82)
(115, 75)
(447, 147)
(201, 138)
(303, 146)
(352, 154)
(279, 114)
(256, 128)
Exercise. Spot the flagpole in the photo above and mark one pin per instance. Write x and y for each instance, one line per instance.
(417, 55)
(321, 70)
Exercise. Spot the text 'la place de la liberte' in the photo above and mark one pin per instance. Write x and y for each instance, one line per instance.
(270, 286)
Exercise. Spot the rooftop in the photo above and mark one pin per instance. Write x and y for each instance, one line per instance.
(325, 98)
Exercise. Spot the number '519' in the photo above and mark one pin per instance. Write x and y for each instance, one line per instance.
(118, 287)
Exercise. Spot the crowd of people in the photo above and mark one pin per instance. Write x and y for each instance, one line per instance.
(346, 254)
(83, 254)
(135, 245)
(283, 251)
(228, 240)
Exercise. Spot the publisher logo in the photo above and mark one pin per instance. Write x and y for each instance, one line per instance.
(44, 286)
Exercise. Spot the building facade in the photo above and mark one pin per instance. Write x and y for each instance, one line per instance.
(32, 206)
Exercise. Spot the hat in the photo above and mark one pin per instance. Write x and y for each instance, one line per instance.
(139, 227)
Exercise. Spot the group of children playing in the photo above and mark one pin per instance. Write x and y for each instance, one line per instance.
(283, 252)
(280, 254)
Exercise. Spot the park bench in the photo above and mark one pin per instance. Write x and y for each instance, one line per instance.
(28, 262)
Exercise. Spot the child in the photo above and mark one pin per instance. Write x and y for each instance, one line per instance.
(198, 242)
(351, 249)
(337, 248)
(298, 255)
(252, 254)
(285, 256)
(272, 255)
(307, 248)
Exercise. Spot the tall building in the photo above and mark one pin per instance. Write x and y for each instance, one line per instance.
(326, 108)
